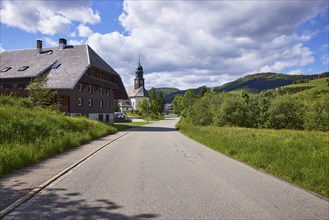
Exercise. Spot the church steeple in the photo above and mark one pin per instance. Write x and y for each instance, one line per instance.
(139, 80)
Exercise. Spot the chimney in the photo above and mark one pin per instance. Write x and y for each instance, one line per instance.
(62, 43)
(39, 46)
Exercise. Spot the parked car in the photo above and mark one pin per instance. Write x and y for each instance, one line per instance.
(120, 117)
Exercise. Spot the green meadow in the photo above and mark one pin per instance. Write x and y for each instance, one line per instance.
(300, 157)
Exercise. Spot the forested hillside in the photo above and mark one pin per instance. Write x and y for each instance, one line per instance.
(264, 81)
(255, 83)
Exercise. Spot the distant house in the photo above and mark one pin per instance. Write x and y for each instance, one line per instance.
(84, 83)
(137, 92)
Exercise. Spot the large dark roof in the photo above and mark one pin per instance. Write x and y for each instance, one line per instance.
(73, 60)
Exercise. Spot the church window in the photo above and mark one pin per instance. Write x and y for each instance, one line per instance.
(90, 89)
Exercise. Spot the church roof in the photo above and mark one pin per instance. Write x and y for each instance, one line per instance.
(140, 92)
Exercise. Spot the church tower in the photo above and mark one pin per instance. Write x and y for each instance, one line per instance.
(139, 80)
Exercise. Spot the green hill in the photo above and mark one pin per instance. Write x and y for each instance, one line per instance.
(258, 82)
(166, 91)
(313, 87)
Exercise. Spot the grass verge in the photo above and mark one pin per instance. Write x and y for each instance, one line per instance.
(28, 134)
(300, 157)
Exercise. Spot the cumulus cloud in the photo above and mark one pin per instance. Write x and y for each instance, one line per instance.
(183, 43)
(84, 31)
(193, 43)
(47, 17)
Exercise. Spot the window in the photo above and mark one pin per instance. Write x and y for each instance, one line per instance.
(100, 103)
(80, 87)
(90, 89)
(6, 69)
(80, 100)
(107, 103)
(101, 91)
(90, 102)
(55, 65)
(23, 68)
(108, 92)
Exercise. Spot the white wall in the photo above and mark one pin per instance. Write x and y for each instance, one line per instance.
(135, 100)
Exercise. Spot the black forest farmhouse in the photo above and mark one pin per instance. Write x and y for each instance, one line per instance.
(84, 83)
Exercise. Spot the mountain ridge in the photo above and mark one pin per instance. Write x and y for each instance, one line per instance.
(253, 83)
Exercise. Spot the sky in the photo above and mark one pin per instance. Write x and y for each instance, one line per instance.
(181, 43)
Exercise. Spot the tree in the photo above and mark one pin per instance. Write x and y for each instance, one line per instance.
(160, 101)
(199, 112)
(177, 104)
(317, 115)
(39, 94)
(234, 111)
(204, 90)
(116, 106)
(143, 106)
(285, 113)
(152, 94)
(154, 107)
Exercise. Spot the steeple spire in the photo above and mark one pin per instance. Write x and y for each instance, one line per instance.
(139, 80)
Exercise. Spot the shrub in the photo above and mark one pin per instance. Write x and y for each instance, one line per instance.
(285, 113)
(317, 116)
(233, 112)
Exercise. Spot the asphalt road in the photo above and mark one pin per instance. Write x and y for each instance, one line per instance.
(156, 172)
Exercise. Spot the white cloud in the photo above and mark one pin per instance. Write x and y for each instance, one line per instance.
(183, 43)
(193, 43)
(84, 31)
(47, 17)
(76, 42)
(296, 72)
(298, 55)
(50, 42)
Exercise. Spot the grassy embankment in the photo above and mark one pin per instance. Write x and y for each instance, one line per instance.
(300, 157)
(29, 134)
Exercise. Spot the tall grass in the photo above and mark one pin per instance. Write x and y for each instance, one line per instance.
(301, 157)
(29, 134)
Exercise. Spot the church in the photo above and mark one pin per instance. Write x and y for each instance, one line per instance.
(136, 92)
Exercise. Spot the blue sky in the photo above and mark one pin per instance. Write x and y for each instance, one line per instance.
(183, 44)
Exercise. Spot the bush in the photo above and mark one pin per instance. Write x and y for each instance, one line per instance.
(285, 113)
(233, 112)
(317, 116)
(199, 113)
